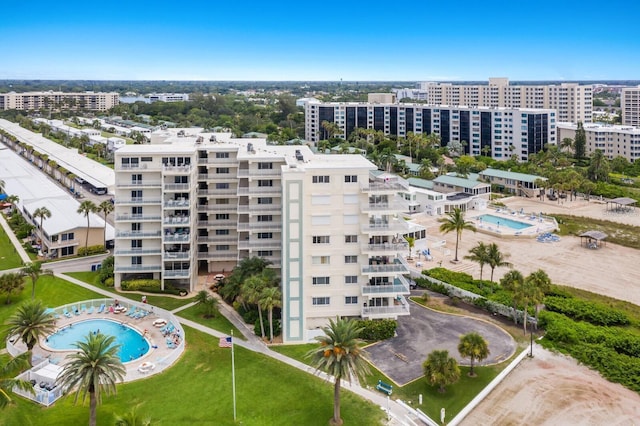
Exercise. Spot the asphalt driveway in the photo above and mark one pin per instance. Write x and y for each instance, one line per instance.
(401, 357)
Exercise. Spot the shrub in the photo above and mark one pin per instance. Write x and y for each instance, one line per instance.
(249, 315)
(109, 282)
(141, 285)
(106, 269)
(581, 310)
(277, 328)
(86, 251)
(374, 330)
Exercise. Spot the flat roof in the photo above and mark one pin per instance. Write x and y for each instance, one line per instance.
(36, 190)
(459, 181)
(420, 183)
(96, 174)
(505, 174)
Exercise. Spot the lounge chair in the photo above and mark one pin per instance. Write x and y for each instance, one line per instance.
(66, 313)
(83, 309)
(100, 309)
(75, 310)
(132, 313)
(90, 310)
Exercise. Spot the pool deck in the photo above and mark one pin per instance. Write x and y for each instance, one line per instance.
(161, 357)
(539, 224)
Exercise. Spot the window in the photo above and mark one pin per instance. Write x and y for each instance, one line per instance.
(320, 260)
(321, 220)
(66, 251)
(136, 194)
(222, 216)
(222, 155)
(321, 239)
(222, 186)
(321, 280)
(265, 235)
(350, 239)
(351, 300)
(67, 237)
(136, 244)
(222, 201)
(319, 301)
(222, 170)
(146, 159)
(222, 232)
(351, 279)
(265, 200)
(351, 259)
(265, 253)
(351, 178)
(265, 166)
(265, 218)
(222, 247)
(136, 210)
(265, 182)
(136, 260)
(320, 200)
(320, 179)
(136, 227)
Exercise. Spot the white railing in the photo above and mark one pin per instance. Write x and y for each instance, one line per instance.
(138, 268)
(136, 252)
(400, 286)
(137, 201)
(176, 273)
(168, 255)
(176, 237)
(176, 220)
(177, 187)
(402, 308)
(137, 234)
(396, 268)
(139, 184)
(137, 217)
(392, 247)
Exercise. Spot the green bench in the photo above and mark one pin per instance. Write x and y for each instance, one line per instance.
(384, 387)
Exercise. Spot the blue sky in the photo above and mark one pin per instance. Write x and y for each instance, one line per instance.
(320, 40)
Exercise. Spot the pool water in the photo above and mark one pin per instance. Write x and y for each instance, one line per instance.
(495, 220)
(132, 344)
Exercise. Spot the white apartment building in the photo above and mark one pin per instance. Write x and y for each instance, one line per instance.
(573, 102)
(94, 101)
(501, 132)
(168, 97)
(612, 140)
(630, 104)
(199, 202)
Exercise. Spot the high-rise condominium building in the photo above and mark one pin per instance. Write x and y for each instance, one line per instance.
(573, 102)
(197, 204)
(613, 141)
(94, 101)
(630, 104)
(501, 132)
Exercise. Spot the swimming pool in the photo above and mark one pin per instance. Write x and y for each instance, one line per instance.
(132, 344)
(502, 221)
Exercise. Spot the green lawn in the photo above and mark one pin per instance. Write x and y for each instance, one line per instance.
(197, 391)
(9, 258)
(164, 302)
(219, 322)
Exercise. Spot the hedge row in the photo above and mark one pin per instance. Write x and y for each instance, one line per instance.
(581, 310)
(375, 330)
(133, 285)
(562, 329)
(86, 251)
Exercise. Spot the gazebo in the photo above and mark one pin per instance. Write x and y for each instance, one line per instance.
(621, 204)
(592, 239)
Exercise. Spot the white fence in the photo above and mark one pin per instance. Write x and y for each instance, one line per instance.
(45, 392)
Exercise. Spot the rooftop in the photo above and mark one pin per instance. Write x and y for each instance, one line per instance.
(505, 174)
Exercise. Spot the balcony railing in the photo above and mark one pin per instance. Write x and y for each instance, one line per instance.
(176, 238)
(258, 208)
(140, 184)
(137, 218)
(177, 220)
(137, 234)
(135, 252)
(177, 186)
(391, 185)
(175, 255)
(218, 255)
(176, 203)
(138, 268)
(259, 245)
(392, 268)
(259, 190)
(401, 308)
(177, 169)
(245, 173)
(400, 286)
(390, 226)
(214, 160)
(256, 226)
(216, 223)
(385, 247)
(176, 273)
(217, 208)
(394, 206)
(122, 201)
(218, 239)
(218, 191)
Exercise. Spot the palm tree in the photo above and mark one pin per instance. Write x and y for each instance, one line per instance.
(11, 282)
(532, 292)
(208, 302)
(340, 356)
(105, 208)
(455, 222)
(480, 255)
(8, 371)
(474, 347)
(86, 208)
(95, 368)
(12, 199)
(540, 280)
(270, 298)
(251, 290)
(34, 270)
(496, 258)
(513, 281)
(412, 243)
(42, 213)
(30, 323)
(440, 369)
(132, 418)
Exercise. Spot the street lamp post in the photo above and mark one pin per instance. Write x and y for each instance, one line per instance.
(531, 347)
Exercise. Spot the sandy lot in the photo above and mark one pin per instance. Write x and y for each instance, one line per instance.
(552, 389)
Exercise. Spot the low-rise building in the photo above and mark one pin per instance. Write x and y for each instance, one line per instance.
(520, 184)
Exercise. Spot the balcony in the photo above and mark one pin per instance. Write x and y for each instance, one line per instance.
(138, 218)
(137, 234)
(397, 267)
(399, 307)
(137, 166)
(169, 169)
(259, 226)
(247, 173)
(216, 223)
(137, 252)
(389, 186)
(136, 201)
(176, 273)
(385, 247)
(138, 268)
(217, 191)
(178, 187)
(176, 238)
(394, 226)
(217, 208)
(259, 245)
(215, 160)
(176, 204)
(218, 255)
(176, 255)
(393, 206)
(258, 208)
(260, 190)
(140, 184)
(218, 239)
(400, 286)
(176, 220)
